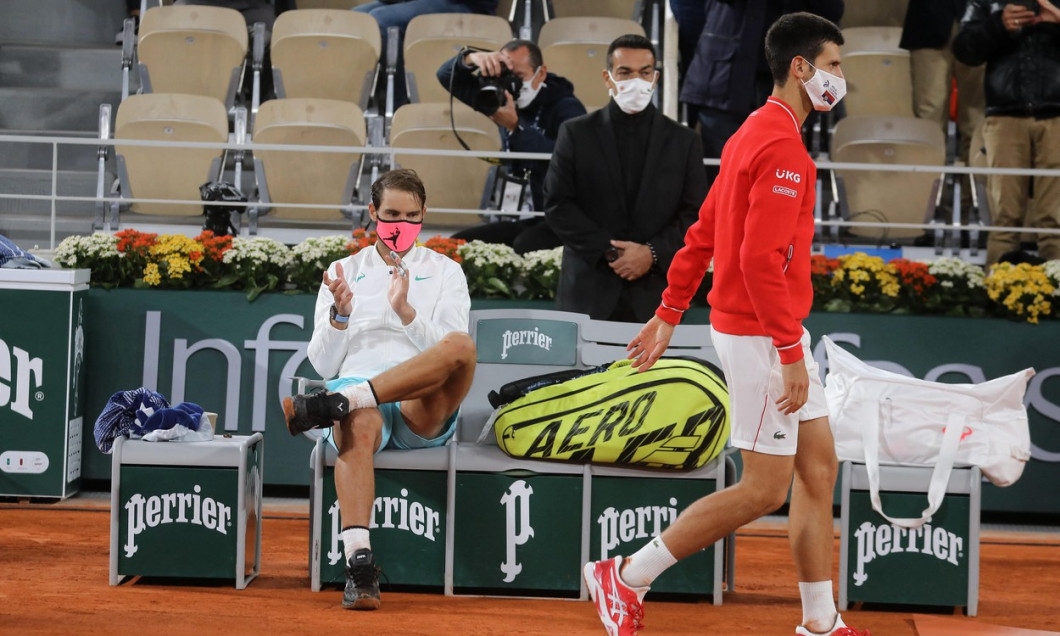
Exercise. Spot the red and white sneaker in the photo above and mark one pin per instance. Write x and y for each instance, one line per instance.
(620, 606)
(839, 628)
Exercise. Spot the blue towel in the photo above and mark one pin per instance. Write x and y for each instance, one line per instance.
(185, 414)
(13, 256)
(126, 413)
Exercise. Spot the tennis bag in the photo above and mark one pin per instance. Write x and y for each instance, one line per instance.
(674, 415)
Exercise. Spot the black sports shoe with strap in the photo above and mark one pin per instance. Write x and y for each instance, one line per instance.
(316, 410)
(362, 582)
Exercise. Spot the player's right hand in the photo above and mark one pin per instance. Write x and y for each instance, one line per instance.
(649, 345)
(340, 290)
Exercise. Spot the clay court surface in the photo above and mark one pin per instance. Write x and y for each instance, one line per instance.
(54, 563)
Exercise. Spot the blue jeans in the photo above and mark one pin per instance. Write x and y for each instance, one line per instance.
(399, 15)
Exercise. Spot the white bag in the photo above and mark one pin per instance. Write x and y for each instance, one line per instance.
(881, 417)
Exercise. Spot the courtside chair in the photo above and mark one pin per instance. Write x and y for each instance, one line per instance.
(192, 49)
(325, 53)
(433, 38)
(877, 72)
(305, 176)
(888, 197)
(576, 48)
(161, 172)
(453, 182)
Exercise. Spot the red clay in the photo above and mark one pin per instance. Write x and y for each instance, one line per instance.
(55, 560)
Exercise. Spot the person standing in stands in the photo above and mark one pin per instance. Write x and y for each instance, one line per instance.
(390, 333)
(529, 122)
(930, 26)
(1021, 49)
(623, 185)
(399, 13)
(729, 76)
(757, 226)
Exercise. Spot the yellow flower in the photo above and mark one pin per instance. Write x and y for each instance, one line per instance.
(151, 274)
(857, 289)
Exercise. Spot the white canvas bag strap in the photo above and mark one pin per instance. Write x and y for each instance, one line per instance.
(940, 476)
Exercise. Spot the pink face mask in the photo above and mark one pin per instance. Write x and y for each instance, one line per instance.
(398, 235)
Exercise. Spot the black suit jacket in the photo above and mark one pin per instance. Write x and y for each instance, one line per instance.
(929, 23)
(585, 204)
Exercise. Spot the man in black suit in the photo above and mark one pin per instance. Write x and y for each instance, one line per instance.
(624, 184)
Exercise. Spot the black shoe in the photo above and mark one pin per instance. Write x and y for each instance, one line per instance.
(362, 582)
(316, 410)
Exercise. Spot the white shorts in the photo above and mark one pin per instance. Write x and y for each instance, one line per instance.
(752, 371)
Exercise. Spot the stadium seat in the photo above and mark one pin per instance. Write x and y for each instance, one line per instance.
(877, 72)
(433, 38)
(888, 197)
(325, 53)
(888, 13)
(453, 182)
(344, 5)
(624, 9)
(576, 48)
(192, 49)
(325, 178)
(155, 172)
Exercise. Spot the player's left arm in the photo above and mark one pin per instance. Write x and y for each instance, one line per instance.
(780, 180)
(452, 312)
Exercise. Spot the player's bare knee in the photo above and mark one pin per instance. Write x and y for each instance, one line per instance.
(460, 347)
(364, 426)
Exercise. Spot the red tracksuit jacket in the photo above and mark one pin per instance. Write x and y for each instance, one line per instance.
(757, 225)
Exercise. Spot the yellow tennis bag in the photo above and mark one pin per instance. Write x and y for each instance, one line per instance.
(674, 415)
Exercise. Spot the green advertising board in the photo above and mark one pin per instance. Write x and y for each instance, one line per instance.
(42, 380)
(235, 358)
(408, 528)
(627, 511)
(517, 534)
(178, 521)
(918, 566)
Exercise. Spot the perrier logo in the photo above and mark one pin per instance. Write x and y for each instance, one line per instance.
(174, 507)
(878, 541)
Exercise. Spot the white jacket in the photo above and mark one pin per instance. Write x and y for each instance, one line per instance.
(375, 340)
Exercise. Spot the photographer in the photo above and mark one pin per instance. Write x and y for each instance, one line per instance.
(514, 88)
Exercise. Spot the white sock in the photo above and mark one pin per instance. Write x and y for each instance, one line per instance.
(647, 564)
(818, 605)
(353, 539)
(361, 396)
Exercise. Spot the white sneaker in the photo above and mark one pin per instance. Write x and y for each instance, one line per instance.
(839, 628)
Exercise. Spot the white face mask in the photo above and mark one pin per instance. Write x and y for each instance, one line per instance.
(825, 89)
(528, 93)
(633, 95)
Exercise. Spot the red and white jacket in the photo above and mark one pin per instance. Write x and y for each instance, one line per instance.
(757, 225)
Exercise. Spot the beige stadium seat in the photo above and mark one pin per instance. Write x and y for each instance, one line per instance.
(877, 72)
(433, 38)
(860, 13)
(192, 49)
(325, 53)
(345, 5)
(154, 172)
(325, 178)
(599, 8)
(451, 182)
(889, 197)
(576, 48)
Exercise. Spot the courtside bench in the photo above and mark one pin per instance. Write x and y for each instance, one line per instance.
(519, 527)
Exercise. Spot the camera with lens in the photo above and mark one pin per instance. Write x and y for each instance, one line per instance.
(218, 215)
(490, 94)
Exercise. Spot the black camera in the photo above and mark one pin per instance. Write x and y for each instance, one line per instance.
(219, 216)
(490, 95)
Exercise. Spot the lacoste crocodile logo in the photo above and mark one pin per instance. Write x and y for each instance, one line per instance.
(779, 435)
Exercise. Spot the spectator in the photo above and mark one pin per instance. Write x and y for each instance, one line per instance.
(729, 76)
(930, 26)
(529, 122)
(1021, 50)
(399, 359)
(399, 13)
(624, 184)
(132, 10)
